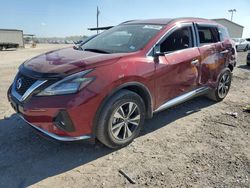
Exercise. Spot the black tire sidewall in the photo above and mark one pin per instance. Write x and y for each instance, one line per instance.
(246, 48)
(137, 131)
(226, 71)
(103, 131)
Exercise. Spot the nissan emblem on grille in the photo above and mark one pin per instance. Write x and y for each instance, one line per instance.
(19, 83)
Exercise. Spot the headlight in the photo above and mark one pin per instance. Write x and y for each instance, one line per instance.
(68, 85)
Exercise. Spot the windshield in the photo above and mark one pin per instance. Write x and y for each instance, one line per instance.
(122, 39)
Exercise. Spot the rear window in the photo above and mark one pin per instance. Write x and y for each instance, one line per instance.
(208, 34)
(223, 33)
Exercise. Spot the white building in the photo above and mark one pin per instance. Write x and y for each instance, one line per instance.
(235, 30)
(12, 36)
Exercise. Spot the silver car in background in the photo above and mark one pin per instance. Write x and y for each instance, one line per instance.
(241, 44)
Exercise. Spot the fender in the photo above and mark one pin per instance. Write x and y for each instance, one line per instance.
(128, 85)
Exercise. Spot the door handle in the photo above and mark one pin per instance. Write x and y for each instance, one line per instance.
(224, 52)
(195, 62)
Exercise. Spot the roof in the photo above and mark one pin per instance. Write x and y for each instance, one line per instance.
(161, 21)
(11, 30)
(220, 19)
(165, 21)
(29, 35)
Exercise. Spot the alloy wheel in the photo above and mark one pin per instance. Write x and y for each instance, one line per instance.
(224, 85)
(125, 121)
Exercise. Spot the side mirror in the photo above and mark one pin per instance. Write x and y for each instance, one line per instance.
(157, 51)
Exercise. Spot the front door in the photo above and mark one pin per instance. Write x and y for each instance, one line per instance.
(177, 71)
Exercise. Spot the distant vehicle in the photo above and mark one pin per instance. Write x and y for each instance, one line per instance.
(4, 46)
(83, 41)
(241, 44)
(248, 58)
(68, 42)
(79, 43)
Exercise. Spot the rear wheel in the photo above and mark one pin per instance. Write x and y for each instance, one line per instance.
(223, 86)
(121, 119)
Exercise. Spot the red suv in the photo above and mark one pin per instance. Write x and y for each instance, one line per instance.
(107, 87)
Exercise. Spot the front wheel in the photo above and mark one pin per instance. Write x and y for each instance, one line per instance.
(121, 119)
(246, 48)
(223, 86)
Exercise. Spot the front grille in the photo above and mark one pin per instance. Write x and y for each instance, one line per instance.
(23, 83)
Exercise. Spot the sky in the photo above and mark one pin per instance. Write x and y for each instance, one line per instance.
(60, 18)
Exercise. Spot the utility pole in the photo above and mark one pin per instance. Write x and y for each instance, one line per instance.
(97, 19)
(232, 13)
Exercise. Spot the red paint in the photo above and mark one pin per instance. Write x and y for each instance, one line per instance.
(172, 76)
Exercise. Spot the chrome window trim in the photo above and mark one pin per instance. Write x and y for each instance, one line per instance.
(32, 88)
(178, 25)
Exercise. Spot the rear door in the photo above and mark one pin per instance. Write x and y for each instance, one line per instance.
(177, 70)
(225, 46)
(212, 53)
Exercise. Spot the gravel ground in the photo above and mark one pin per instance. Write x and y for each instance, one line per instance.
(196, 144)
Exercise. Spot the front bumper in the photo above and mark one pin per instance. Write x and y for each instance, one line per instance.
(56, 137)
(46, 113)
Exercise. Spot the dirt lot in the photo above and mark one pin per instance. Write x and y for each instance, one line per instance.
(195, 144)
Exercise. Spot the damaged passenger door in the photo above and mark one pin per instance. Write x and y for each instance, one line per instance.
(177, 68)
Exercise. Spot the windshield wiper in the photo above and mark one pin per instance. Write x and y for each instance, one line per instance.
(96, 50)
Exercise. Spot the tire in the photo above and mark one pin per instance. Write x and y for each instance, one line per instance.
(246, 48)
(236, 47)
(121, 119)
(223, 86)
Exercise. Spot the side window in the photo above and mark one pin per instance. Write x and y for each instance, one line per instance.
(223, 33)
(208, 34)
(181, 38)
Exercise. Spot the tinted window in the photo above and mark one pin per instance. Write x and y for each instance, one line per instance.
(178, 40)
(123, 38)
(208, 34)
(223, 33)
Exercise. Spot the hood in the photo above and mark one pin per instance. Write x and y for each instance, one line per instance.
(68, 61)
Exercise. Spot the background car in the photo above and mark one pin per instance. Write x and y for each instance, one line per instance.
(248, 58)
(241, 44)
(83, 41)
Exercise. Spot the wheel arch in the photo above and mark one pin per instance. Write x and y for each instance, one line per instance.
(136, 87)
